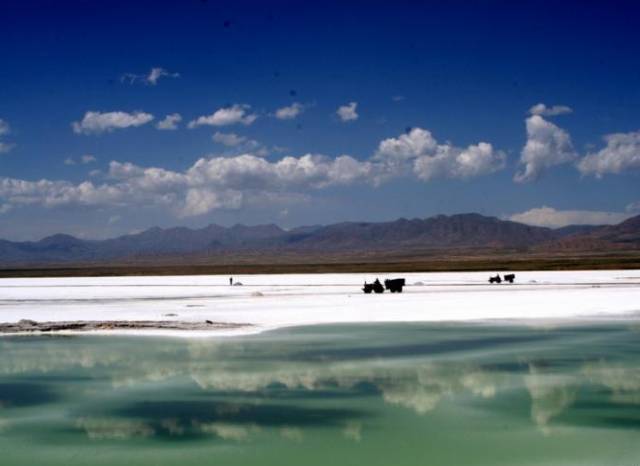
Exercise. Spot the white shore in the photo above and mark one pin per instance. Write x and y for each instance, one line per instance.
(274, 301)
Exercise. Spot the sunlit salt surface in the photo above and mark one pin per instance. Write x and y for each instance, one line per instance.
(275, 301)
(374, 394)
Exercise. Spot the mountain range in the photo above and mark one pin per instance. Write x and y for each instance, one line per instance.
(463, 232)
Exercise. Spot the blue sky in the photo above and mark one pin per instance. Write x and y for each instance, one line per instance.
(315, 112)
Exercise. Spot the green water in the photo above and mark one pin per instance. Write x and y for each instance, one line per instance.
(337, 395)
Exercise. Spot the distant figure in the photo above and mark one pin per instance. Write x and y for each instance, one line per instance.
(495, 279)
(230, 280)
(510, 277)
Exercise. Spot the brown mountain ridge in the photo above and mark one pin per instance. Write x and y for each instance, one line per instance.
(463, 232)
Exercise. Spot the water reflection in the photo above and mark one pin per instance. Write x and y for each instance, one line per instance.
(299, 383)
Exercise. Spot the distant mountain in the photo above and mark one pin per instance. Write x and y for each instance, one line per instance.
(577, 230)
(440, 233)
(624, 236)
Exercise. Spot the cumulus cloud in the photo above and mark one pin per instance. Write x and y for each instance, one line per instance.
(15, 192)
(151, 78)
(348, 112)
(98, 122)
(621, 154)
(419, 153)
(169, 122)
(552, 218)
(290, 112)
(4, 130)
(236, 114)
(542, 110)
(228, 139)
(547, 146)
(232, 182)
(211, 183)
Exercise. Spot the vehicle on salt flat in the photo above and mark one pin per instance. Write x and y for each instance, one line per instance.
(510, 277)
(395, 286)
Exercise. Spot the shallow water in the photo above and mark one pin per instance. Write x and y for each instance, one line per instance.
(387, 394)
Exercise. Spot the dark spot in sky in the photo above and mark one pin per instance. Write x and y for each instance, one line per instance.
(299, 127)
(276, 74)
(227, 23)
(293, 93)
(408, 129)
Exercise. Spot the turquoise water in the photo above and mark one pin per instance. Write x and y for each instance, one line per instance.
(409, 394)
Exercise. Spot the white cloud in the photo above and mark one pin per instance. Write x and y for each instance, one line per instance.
(232, 182)
(454, 162)
(85, 159)
(98, 122)
(48, 193)
(552, 218)
(621, 154)
(419, 153)
(228, 139)
(151, 78)
(251, 172)
(156, 73)
(226, 116)
(170, 122)
(201, 200)
(5, 130)
(290, 112)
(547, 146)
(348, 112)
(542, 110)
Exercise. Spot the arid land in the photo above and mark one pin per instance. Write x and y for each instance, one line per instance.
(490, 261)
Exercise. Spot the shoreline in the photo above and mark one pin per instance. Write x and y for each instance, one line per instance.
(28, 327)
(193, 330)
(206, 306)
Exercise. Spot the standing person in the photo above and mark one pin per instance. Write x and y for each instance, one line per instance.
(230, 281)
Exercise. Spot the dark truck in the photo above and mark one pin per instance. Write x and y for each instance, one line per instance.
(510, 277)
(395, 286)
